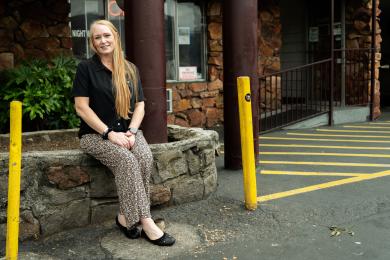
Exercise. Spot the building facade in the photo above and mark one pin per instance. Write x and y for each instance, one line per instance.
(287, 36)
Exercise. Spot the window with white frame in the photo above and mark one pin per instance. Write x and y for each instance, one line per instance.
(185, 49)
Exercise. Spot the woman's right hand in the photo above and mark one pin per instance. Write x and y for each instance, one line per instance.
(120, 139)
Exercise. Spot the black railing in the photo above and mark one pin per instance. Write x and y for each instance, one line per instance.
(295, 94)
(352, 77)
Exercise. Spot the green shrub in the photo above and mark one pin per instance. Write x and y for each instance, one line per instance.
(45, 90)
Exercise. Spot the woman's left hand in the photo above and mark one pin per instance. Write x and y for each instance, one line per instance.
(131, 138)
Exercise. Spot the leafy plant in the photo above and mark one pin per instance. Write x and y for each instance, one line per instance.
(45, 91)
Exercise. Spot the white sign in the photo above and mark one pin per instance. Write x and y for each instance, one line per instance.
(80, 33)
(184, 35)
(314, 34)
(337, 29)
(188, 73)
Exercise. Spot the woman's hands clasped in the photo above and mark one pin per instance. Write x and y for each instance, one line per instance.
(126, 140)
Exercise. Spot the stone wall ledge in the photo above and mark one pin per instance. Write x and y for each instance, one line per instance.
(65, 189)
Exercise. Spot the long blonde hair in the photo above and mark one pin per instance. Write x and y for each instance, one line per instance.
(122, 71)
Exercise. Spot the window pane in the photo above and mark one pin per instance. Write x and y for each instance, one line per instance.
(78, 28)
(95, 11)
(83, 13)
(169, 9)
(190, 36)
(116, 16)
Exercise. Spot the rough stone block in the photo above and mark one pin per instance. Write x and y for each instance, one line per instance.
(196, 102)
(43, 43)
(171, 164)
(103, 210)
(215, 31)
(75, 214)
(29, 226)
(55, 197)
(102, 183)
(66, 177)
(208, 170)
(33, 29)
(181, 122)
(6, 60)
(187, 190)
(196, 118)
(198, 87)
(59, 30)
(215, 45)
(181, 105)
(194, 162)
(215, 85)
(210, 183)
(209, 102)
(3, 185)
(215, 60)
(3, 231)
(8, 22)
(214, 9)
(159, 195)
(213, 116)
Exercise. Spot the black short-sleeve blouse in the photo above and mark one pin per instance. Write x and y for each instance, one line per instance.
(94, 80)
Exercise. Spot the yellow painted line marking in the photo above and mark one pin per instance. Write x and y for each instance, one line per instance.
(327, 163)
(365, 126)
(325, 146)
(328, 135)
(353, 131)
(323, 139)
(378, 123)
(329, 154)
(339, 174)
(321, 186)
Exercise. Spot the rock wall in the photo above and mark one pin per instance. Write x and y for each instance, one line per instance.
(33, 29)
(67, 189)
(359, 29)
(270, 43)
(269, 37)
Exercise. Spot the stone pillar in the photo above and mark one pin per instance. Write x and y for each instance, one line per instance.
(240, 24)
(144, 23)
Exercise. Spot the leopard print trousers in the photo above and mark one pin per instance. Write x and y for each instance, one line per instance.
(131, 168)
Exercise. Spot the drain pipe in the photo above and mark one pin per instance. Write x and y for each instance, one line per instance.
(343, 50)
(373, 53)
(331, 105)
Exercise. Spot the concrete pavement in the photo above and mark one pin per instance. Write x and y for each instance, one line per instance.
(306, 190)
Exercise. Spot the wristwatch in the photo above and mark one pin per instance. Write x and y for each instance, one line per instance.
(105, 133)
(133, 130)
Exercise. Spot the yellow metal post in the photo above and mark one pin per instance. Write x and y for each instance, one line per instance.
(247, 148)
(15, 159)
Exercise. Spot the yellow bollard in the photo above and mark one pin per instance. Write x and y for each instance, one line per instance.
(15, 159)
(247, 147)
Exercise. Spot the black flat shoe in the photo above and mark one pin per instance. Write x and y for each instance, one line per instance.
(133, 232)
(165, 240)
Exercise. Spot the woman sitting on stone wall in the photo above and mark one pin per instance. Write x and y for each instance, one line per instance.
(109, 99)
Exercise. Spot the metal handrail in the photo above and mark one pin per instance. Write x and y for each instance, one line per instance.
(294, 94)
(296, 68)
